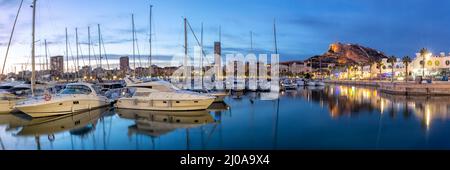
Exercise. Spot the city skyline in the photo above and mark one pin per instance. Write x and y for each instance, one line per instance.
(304, 28)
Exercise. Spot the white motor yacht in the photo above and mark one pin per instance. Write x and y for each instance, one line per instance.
(300, 82)
(320, 83)
(287, 84)
(162, 96)
(76, 97)
(311, 83)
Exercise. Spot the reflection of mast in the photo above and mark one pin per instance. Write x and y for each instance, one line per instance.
(38, 142)
(187, 139)
(275, 136)
(1, 143)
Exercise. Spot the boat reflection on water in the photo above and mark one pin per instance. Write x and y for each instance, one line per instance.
(158, 123)
(352, 101)
(77, 124)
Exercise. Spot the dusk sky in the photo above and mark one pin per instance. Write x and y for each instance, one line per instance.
(305, 27)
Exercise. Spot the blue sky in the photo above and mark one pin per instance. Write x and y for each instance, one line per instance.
(305, 27)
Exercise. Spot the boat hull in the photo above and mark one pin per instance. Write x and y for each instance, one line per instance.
(62, 106)
(160, 105)
(6, 106)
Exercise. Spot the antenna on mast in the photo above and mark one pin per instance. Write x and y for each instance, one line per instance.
(33, 71)
(99, 45)
(134, 53)
(150, 43)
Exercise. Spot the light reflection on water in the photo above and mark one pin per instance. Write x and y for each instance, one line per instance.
(332, 117)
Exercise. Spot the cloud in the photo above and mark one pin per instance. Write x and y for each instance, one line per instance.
(8, 3)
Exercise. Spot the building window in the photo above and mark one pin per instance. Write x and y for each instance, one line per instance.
(447, 62)
(437, 63)
(430, 63)
(421, 62)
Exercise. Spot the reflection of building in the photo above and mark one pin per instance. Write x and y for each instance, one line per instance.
(353, 101)
(57, 65)
(124, 64)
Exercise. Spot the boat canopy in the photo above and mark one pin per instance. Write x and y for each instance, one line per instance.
(77, 89)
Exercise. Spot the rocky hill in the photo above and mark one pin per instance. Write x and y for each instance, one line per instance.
(347, 54)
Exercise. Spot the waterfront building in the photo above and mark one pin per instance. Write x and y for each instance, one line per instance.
(218, 58)
(124, 63)
(436, 66)
(57, 65)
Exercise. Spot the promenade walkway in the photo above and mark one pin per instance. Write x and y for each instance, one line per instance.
(436, 88)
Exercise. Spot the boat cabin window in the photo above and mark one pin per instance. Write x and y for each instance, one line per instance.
(77, 89)
(5, 87)
(142, 94)
(145, 87)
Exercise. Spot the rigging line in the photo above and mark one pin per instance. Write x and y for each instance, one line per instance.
(93, 47)
(139, 53)
(198, 42)
(73, 59)
(104, 50)
(12, 33)
(81, 53)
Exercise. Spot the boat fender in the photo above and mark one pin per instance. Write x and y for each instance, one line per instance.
(47, 96)
(51, 137)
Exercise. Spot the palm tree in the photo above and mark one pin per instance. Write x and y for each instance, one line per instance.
(379, 65)
(392, 60)
(406, 60)
(355, 70)
(371, 62)
(423, 52)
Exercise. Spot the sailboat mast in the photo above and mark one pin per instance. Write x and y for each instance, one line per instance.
(10, 38)
(99, 45)
(33, 71)
(67, 55)
(201, 58)
(185, 51)
(134, 44)
(275, 36)
(46, 55)
(89, 45)
(150, 42)
(78, 61)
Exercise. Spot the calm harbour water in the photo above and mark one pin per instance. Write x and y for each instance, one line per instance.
(334, 117)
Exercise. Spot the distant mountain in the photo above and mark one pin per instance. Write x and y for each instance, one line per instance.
(347, 54)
